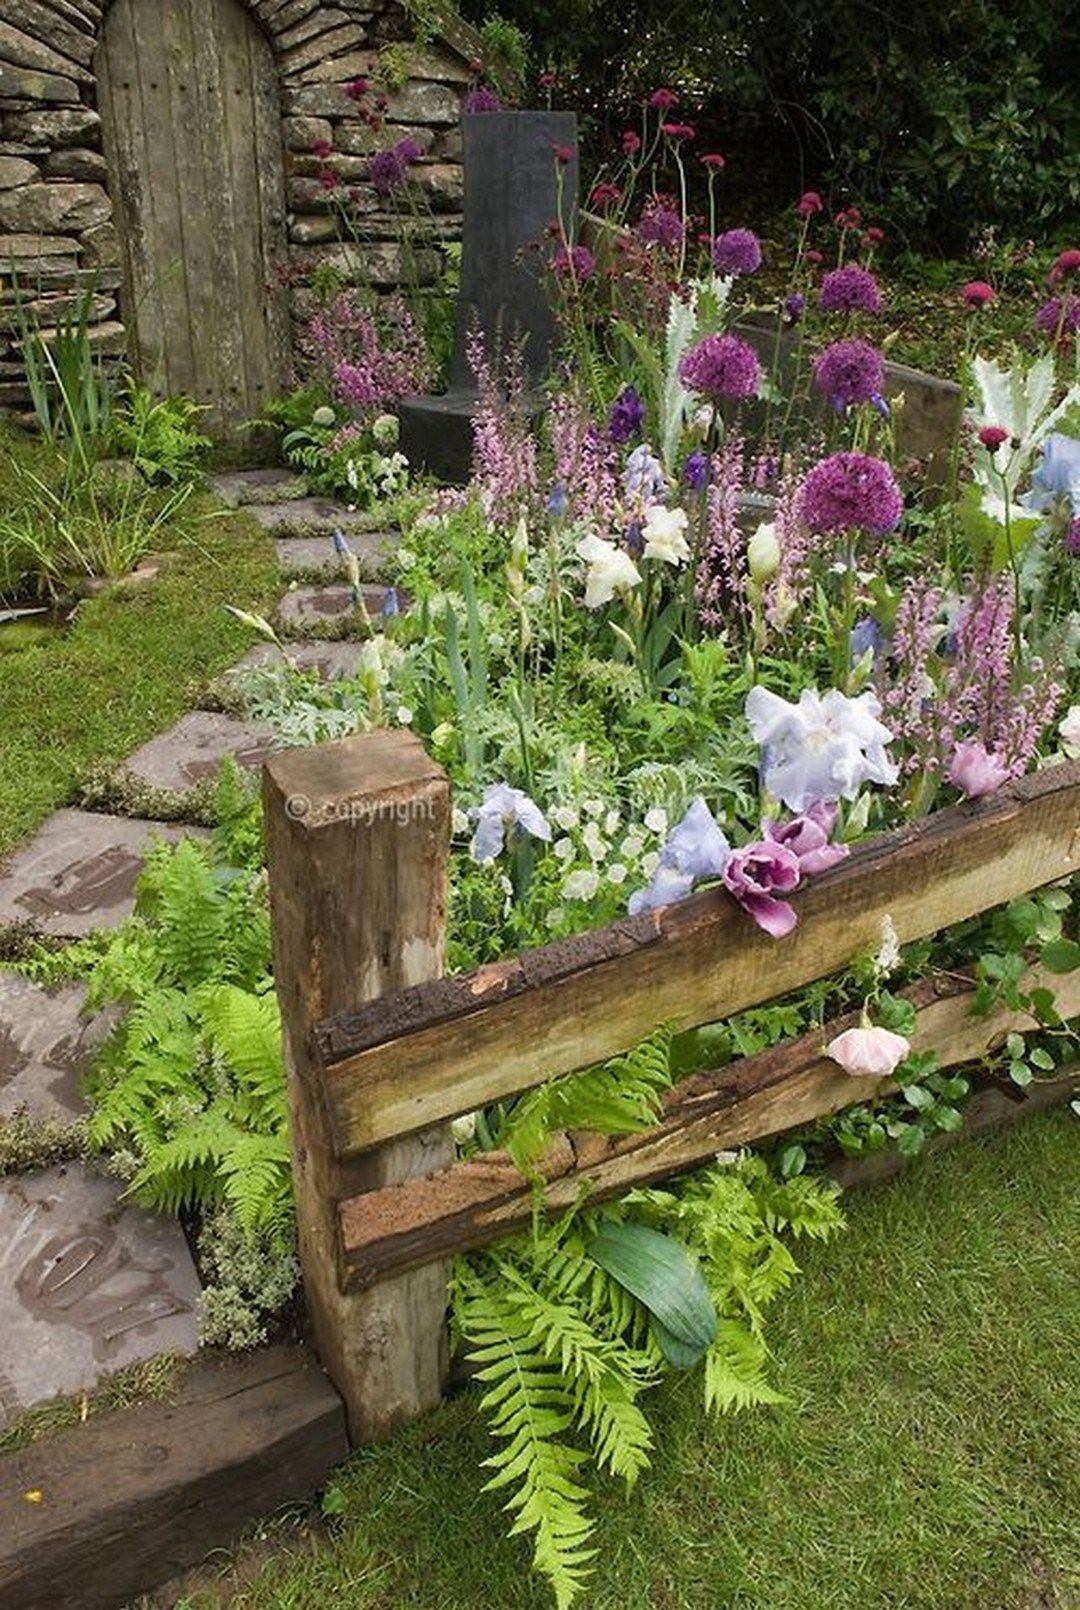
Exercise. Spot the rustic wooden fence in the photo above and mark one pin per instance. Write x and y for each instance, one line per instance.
(383, 1051)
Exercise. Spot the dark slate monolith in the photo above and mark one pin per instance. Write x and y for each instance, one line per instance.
(515, 187)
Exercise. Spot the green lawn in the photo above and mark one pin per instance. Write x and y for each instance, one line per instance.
(929, 1458)
(129, 664)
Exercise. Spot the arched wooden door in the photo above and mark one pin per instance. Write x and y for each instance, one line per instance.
(192, 131)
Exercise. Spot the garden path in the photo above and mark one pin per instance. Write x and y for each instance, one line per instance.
(88, 1283)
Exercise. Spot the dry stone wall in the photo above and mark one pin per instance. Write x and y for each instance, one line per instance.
(57, 228)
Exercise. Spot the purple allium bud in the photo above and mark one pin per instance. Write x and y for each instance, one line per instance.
(481, 100)
(850, 491)
(794, 306)
(737, 251)
(627, 416)
(721, 366)
(849, 372)
(850, 289)
(1059, 319)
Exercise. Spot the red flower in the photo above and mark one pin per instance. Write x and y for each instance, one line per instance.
(381, 103)
(713, 160)
(548, 80)
(328, 179)
(992, 437)
(850, 218)
(1068, 263)
(977, 293)
(563, 154)
(323, 149)
(874, 236)
(808, 204)
(604, 195)
(631, 142)
(814, 256)
(357, 88)
(679, 131)
(663, 99)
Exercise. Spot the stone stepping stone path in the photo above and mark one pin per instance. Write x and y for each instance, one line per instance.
(190, 752)
(78, 872)
(332, 659)
(304, 607)
(88, 1285)
(46, 1045)
(303, 526)
(237, 488)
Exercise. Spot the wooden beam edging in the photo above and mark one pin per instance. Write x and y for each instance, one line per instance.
(477, 1201)
(428, 1053)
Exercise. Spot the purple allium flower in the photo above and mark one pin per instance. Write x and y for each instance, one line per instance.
(389, 169)
(737, 251)
(661, 226)
(627, 416)
(849, 372)
(755, 875)
(696, 470)
(574, 262)
(850, 289)
(851, 491)
(1059, 319)
(481, 100)
(793, 308)
(721, 366)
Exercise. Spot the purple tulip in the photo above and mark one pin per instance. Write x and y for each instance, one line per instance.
(807, 837)
(756, 875)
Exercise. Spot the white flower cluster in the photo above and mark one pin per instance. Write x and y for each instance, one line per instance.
(597, 847)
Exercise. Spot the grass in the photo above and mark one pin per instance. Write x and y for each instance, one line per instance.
(129, 664)
(929, 1458)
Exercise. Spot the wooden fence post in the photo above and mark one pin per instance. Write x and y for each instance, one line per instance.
(357, 837)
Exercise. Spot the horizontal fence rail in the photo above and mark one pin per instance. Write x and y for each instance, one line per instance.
(476, 1201)
(425, 1054)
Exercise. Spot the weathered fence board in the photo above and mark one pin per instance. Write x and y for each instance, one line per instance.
(475, 1202)
(423, 1055)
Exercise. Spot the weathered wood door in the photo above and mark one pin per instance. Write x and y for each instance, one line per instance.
(192, 130)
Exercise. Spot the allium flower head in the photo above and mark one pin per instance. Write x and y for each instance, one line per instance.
(794, 307)
(851, 491)
(575, 263)
(849, 372)
(808, 204)
(390, 168)
(824, 748)
(721, 366)
(1059, 319)
(850, 289)
(661, 225)
(627, 416)
(481, 100)
(976, 293)
(737, 251)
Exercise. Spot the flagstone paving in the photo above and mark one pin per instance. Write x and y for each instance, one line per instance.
(46, 1045)
(78, 872)
(192, 751)
(304, 606)
(88, 1285)
(299, 554)
(332, 659)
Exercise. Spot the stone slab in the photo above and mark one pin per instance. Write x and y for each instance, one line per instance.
(250, 486)
(78, 872)
(318, 554)
(191, 752)
(308, 517)
(332, 660)
(88, 1286)
(46, 1045)
(308, 605)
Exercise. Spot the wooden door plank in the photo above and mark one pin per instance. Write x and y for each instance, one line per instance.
(270, 178)
(448, 1047)
(476, 1201)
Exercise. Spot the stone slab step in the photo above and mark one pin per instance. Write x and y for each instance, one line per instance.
(47, 1043)
(331, 660)
(309, 517)
(331, 605)
(78, 872)
(372, 548)
(88, 1285)
(190, 752)
(238, 488)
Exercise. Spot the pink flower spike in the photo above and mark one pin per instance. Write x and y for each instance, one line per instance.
(870, 1053)
(755, 875)
(975, 771)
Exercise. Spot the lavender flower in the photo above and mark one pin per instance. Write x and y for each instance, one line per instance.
(627, 416)
(850, 289)
(721, 366)
(503, 809)
(695, 849)
(737, 251)
(851, 491)
(481, 100)
(849, 372)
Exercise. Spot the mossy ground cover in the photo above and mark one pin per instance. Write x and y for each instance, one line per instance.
(130, 662)
(928, 1456)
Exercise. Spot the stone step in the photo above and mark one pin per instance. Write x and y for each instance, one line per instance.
(300, 554)
(78, 872)
(239, 488)
(191, 752)
(330, 660)
(309, 517)
(47, 1043)
(331, 606)
(89, 1285)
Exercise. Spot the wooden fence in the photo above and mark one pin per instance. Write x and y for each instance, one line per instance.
(383, 1051)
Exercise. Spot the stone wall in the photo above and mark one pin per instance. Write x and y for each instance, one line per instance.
(56, 218)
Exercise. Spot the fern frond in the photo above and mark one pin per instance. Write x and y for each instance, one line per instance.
(735, 1370)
